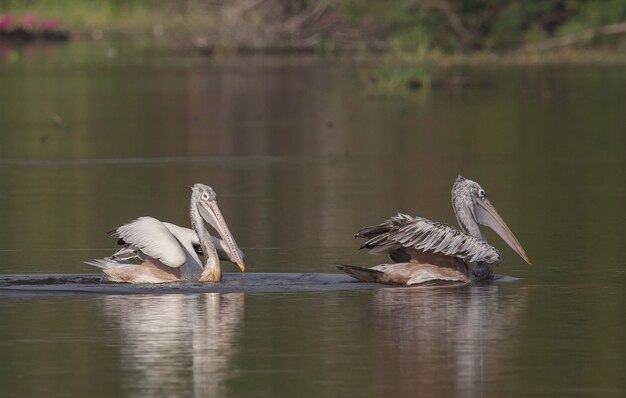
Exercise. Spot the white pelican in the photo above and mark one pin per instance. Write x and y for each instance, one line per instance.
(167, 250)
(128, 251)
(425, 251)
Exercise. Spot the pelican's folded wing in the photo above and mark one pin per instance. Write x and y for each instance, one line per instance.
(406, 232)
(189, 234)
(152, 237)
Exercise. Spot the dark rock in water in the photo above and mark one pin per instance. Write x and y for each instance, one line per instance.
(414, 84)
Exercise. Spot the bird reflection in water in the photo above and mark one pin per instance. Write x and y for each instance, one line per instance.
(172, 343)
(444, 341)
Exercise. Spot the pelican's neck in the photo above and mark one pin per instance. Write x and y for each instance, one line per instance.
(468, 225)
(462, 205)
(212, 271)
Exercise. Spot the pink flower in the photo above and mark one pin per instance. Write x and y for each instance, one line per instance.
(48, 25)
(5, 22)
(28, 22)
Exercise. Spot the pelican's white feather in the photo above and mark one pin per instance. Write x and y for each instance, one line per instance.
(154, 239)
(107, 262)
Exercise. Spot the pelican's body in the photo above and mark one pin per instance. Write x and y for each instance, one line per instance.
(187, 237)
(168, 251)
(425, 251)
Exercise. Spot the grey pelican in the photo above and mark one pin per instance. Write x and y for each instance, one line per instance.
(427, 252)
(167, 250)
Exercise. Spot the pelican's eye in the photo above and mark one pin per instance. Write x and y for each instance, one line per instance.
(481, 193)
(205, 196)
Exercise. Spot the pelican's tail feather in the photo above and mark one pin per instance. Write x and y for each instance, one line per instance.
(123, 254)
(106, 262)
(374, 230)
(361, 273)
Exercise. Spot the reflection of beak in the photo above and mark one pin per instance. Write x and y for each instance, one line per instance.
(487, 215)
(212, 214)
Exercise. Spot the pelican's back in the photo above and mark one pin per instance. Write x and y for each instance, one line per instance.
(402, 237)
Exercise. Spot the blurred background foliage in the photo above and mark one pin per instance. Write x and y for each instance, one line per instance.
(402, 25)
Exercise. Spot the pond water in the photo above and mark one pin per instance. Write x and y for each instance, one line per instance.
(302, 153)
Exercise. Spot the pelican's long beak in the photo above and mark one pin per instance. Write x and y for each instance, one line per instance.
(487, 215)
(210, 211)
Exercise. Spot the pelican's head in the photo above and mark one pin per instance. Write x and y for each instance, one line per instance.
(472, 207)
(205, 199)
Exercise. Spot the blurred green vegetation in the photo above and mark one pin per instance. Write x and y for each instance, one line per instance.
(479, 24)
(400, 25)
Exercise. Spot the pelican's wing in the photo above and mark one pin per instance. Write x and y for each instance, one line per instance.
(406, 232)
(152, 237)
(190, 234)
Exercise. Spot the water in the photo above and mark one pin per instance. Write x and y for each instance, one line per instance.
(301, 156)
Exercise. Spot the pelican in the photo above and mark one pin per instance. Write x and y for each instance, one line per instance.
(426, 252)
(167, 250)
(183, 234)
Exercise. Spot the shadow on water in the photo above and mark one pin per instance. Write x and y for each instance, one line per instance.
(231, 283)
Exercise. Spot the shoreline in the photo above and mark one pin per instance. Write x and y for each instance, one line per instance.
(437, 59)
(233, 29)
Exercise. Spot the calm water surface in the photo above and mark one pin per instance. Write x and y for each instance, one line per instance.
(301, 155)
